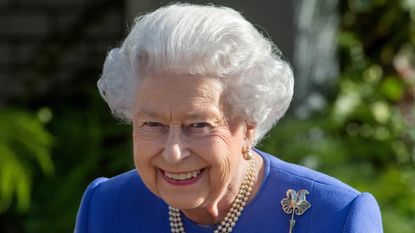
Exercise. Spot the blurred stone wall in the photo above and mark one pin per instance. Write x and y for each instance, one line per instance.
(49, 47)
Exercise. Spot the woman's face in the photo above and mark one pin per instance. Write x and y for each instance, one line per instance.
(184, 149)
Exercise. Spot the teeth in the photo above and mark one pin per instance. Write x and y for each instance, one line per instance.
(188, 175)
(183, 176)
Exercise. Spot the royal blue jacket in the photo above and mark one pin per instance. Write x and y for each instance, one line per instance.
(123, 204)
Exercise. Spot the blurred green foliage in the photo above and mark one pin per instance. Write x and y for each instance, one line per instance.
(24, 144)
(365, 136)
(89, 143)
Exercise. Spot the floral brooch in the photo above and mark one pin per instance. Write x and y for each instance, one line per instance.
(295, 204)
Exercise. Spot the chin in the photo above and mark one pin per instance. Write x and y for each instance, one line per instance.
(183, 203)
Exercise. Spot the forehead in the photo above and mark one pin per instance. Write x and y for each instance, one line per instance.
(178, 95)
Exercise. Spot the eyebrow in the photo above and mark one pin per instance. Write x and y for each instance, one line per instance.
(197, 115)
(148, 114)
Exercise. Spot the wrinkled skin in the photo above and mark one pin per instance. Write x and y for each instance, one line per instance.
(180, 126)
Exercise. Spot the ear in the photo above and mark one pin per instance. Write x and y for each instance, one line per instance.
(249, 135)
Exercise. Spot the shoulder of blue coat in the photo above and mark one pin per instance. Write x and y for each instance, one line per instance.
(331, 200)
(100, 203)
(110, 202)
(364, 215)
(115, 189)
(297, 172)
(115, 182)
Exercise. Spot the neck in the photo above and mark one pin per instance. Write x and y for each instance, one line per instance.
(214, 213)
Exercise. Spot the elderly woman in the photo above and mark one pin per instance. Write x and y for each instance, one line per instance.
(201, 87)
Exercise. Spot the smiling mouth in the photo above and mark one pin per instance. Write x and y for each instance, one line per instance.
(183, 178)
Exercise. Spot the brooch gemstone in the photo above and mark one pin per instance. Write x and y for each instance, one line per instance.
(295, 203)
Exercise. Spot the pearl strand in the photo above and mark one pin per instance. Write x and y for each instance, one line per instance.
(232, 217)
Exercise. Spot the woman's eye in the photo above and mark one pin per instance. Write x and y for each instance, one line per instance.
(200, 125)
(152, 124)
(199, 128)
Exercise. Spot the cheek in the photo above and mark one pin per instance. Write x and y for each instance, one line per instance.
(144, 152)
(214, 148)
(222, 152)
(222, 173)
(227, 146)
(146, 145)
(231, 151)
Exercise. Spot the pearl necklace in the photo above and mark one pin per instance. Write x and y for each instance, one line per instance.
(227, 224)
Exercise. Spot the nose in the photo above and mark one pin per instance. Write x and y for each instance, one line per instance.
(175, 149)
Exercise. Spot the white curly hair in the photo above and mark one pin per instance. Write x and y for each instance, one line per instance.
(205, 41)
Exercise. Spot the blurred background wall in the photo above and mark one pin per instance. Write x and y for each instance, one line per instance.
(353, 115)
